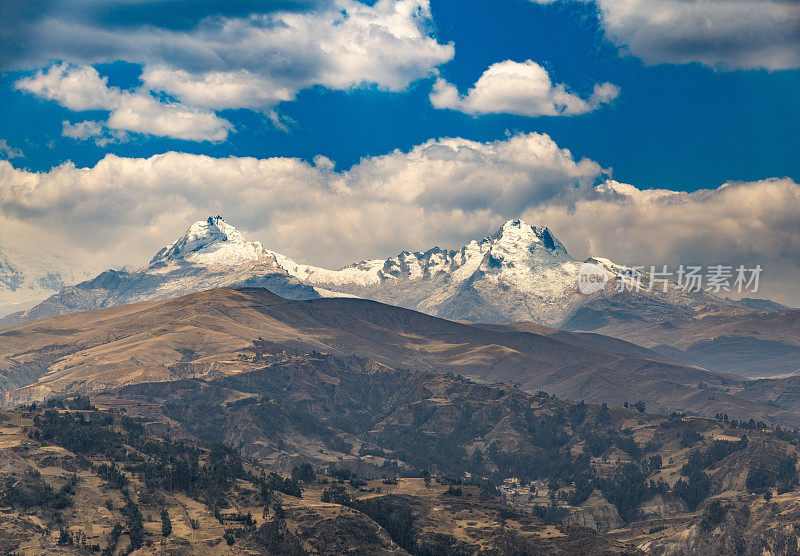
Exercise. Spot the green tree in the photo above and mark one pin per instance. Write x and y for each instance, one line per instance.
(304, 472)
(336, 494)
(166, 523)
(760, 479)
(695, 490)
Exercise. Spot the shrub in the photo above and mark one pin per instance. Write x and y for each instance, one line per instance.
(690, 437)
(695, 490)
(453, 490)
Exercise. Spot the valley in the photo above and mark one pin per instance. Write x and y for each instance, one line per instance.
(312, 453)
(759, 344)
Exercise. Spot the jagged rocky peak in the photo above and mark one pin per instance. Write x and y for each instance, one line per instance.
(515, 237)
(515, 245)
(211, 241)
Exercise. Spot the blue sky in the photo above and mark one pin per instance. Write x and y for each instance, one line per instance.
(648, 132)
(678, 126)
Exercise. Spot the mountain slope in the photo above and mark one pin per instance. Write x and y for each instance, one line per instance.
(81, 470)
(206, 332)
(356, 439)
(756, 344)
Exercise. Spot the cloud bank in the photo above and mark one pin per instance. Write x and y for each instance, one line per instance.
(737, 223)
(442, 192)
(451, 188)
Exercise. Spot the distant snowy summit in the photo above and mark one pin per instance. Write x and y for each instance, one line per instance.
(515, 245)
(519, 273)
(25, 281)
(211, 254)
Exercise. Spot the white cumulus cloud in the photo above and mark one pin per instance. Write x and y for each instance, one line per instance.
(254, 61)
(265, 59)
(89, 129)
(725, 34)
(82, 88)
(81, 130)
(522, 88)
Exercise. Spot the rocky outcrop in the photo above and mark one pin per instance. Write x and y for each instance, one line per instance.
(596, 513)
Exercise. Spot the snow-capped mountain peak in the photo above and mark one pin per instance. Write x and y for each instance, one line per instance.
(519, 273)
(210, 254)
(513, 250)
(483, 280)
(516, 241)
(208, 242)
(518, 231)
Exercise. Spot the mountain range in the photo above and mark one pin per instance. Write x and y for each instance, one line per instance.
(519, 273)
(211, 385)
(210, 254)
